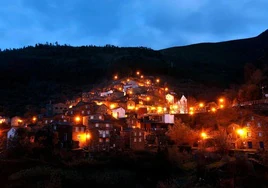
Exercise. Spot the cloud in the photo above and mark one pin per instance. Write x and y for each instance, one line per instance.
(152, 23)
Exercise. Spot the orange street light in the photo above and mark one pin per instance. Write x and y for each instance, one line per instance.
(221, 100)
(191, 113)
(241, 132)
(115, 77)
(88, 136)
(141, 76)
(147, 98)
(128, 80)
(34, 118)
(201, 105)
(221, 106)
(138, 72)
(112, 106)
(203, 135)
(19, 121)
(166, 89)
(158, 80)
(77, 119)
(213, 109)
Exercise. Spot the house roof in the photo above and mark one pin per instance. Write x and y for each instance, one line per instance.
(118, 108)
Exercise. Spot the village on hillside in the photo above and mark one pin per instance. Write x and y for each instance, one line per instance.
(130, 113)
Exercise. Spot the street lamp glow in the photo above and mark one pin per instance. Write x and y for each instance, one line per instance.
(34, 118)
(241, 132)
(201, 105)
(88, 136)
(77, 119)
(191, 108)
(213, 109)
(141, 76)
(203, 135)
(221, 100)
(157, 80)
(115, 77)
(147, 98)
(191, 113)
(138, 72)
(166, 89)
(112, 106)
(221, 106)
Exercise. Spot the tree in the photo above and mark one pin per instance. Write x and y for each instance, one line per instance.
(181, 133)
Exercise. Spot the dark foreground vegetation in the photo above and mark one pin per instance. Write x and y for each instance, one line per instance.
(166, 168)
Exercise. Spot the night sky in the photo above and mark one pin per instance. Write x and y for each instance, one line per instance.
(152, 23)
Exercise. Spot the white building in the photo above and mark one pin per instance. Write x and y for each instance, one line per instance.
(130, 84)
(170, 98)
(118, 112)
(107, 93)
(168, 118)
(12, 132)
(182, 103)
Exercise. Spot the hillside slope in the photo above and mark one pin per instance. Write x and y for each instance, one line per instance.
(34, 75)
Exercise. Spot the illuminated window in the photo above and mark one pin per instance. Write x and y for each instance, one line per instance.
(135, 134)
(260, 134)
(249, 134)
(252, 117)
(100, 140)
(71, 112)
(135, 140)
(140, 134)
(83, 111)
(88, 112)
(96, 125)
(99, 117)
(76, 129)
(248, 124)
(139, 139)
(107, 140)
(107, 132)
(259, 124)
(91, 117)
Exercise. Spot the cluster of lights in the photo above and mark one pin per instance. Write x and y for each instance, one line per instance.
(191, 110)
(221, 103)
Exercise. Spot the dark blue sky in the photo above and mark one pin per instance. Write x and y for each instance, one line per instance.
(153, 23)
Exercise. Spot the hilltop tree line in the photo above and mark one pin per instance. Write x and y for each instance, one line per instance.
(34, 75)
